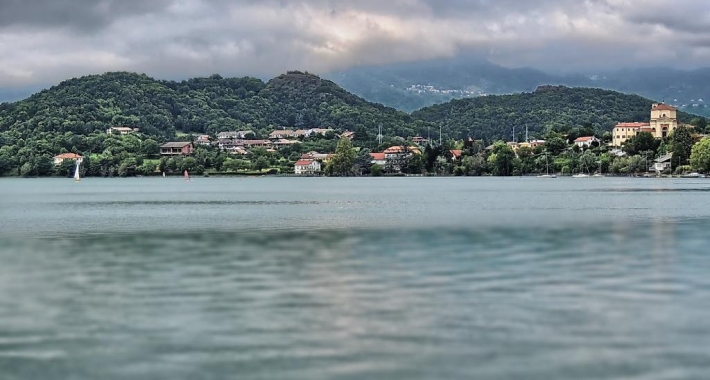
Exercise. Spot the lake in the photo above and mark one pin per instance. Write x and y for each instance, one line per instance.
(360, 278)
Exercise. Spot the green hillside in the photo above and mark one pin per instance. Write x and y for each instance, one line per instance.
(548, 108)
(73, 116)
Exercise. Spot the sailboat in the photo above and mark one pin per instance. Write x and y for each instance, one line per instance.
(187, 177)
(548, 175)
(77, 176)
(581, 175)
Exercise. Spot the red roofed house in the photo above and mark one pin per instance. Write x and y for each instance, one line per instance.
(67, 157)
(455, 154)
(378, 159)
(177, 149)
(306, 167)
(585, 142)
(664, 120)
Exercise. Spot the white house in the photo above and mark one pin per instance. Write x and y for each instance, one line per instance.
(586, 142)
(304, 167)
(121, 131)
(67, 157)
(662, 163)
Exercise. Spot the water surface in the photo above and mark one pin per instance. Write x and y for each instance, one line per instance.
(382, 278)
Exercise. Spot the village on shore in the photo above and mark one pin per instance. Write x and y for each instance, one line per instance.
(632, 148)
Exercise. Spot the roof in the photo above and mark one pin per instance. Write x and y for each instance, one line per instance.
(663, 107)
(665, 158)
(304, 162)
(377, 156)
(456, 152)
(122, 128)
(401, 149)
(68, 156)
(585, 139)
(176, 144)
(633, 125)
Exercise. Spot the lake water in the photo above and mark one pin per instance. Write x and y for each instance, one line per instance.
(367, 278)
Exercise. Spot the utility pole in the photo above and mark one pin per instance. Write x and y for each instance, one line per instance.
(379, 134)
(513, 140)
(527, 140)
(440, 139)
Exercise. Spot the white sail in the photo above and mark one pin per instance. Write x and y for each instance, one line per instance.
(77, 177)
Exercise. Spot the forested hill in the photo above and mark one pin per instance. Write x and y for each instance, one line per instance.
(82, 106)
(204, 105)
(548, 108)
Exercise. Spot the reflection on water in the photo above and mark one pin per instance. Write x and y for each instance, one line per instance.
(495, 280)
(613, 302)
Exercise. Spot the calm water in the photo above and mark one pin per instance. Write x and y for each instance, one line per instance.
(287, 278)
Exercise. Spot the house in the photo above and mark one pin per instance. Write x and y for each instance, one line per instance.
(58, 160)
(348, 135)
(234, 135)
(313, 155)
(662, 163)
(281, 143)
(177, 149)
(121, 131)
(203, 140)
(319, 131)
(282, 134)
(455, 154)
(397, 156)
(420, 140)
(664, 120)
(257, 144)
(586, 141)
(378, 159)
(306, 167)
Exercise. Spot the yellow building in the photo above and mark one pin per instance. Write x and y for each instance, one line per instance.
(664, 120)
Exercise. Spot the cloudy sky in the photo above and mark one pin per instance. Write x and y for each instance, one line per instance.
(45, 41)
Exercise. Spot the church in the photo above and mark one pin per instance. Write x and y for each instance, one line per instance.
(664, 120)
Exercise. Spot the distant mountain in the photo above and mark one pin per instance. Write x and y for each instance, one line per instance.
(14, 94)
(411, 86)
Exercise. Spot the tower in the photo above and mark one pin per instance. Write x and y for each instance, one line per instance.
(664, 120)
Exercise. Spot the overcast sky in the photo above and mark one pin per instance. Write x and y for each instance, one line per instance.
(46, 41)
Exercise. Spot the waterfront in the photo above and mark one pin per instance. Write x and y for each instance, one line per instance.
(327, 278)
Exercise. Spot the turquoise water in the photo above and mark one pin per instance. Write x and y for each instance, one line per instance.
(382, 278)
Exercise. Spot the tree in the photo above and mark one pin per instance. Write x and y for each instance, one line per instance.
(682, 146)
(342, 162)
(700, 156)
(502, 159)
(261, 163)
(644, 141)
(376, 170)
(150, 148)
(588, 161)
(363, 161)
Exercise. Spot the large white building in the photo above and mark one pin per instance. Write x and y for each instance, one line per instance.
(664, 120)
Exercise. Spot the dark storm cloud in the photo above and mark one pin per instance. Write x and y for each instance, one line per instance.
(48, 40)
(76, 14)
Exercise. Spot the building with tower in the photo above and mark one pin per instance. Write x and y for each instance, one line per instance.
(664, 120)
